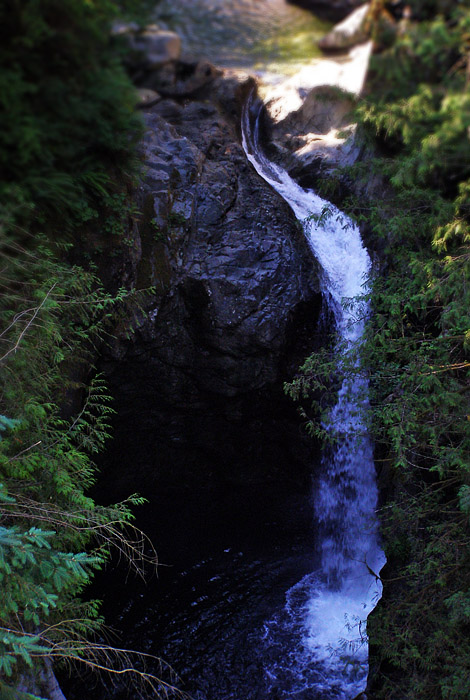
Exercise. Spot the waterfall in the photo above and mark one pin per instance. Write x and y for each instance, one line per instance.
(328, 608)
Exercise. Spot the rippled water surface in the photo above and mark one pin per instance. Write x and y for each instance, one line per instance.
(228, 555)
(266, 35)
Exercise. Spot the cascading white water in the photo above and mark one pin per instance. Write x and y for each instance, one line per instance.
(329, 607)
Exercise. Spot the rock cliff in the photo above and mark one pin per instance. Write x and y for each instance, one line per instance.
(235, 299)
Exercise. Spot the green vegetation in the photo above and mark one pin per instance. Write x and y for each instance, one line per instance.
(290, 46)
(69, 124)
(417, 114)
(52, 535)
(418, 352)
(67, 158)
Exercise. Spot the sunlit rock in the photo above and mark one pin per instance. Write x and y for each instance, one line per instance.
(317, 137)
(310, 124)
(347, 33)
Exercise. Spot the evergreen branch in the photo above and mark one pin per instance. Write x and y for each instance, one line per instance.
(28, 325)
(99, 524)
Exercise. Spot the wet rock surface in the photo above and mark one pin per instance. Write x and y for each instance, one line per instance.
(234, 305)
(315, 140)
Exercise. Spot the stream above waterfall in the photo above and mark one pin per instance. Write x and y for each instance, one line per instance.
(270, 37)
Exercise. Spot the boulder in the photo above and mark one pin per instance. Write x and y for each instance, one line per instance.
(147, 97)
(151, 47)
(315, 137)
(314, 140)
(349, 32)
(180, 78)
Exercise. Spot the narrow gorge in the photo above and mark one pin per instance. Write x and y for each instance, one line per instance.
(234, 349)
(268, 546)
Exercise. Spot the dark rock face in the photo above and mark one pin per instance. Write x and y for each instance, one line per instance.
(332, 10)
(234, 308)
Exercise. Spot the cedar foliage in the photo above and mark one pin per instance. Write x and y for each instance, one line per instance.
(67, 150)
(53, 536)
(416, 353)
(68, 118)
(417, 349)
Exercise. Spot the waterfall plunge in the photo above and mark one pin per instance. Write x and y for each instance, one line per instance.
(329, 607)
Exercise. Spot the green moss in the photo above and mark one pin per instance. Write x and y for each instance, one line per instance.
(290, 46)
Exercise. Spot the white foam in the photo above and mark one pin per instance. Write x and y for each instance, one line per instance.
(329, 608)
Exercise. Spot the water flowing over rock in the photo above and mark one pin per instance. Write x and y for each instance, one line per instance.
(234, 309)
(328, 608)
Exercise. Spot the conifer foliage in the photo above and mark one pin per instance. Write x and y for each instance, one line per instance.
(67, 106)
(416, 114)
(418, 352)
(53, 536)
(67, 146)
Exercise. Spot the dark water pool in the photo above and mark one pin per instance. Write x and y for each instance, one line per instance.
(228, 556)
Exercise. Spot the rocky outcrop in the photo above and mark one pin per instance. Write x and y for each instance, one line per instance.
(230, 254)
(349, 32)
(234, 295)
(318, 140)
(313, 141)
(150, 47)
(332, 10)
